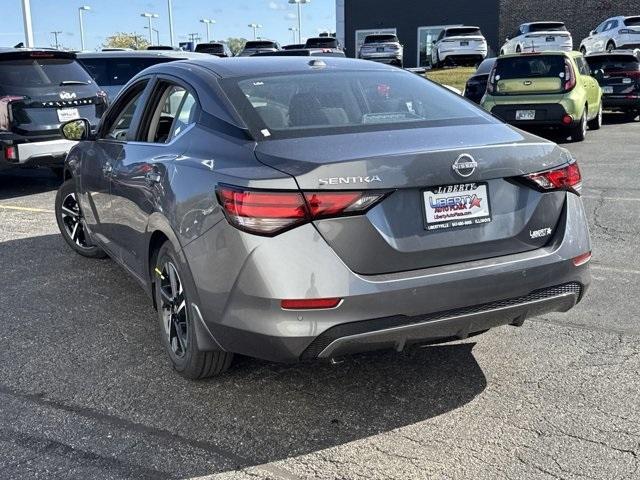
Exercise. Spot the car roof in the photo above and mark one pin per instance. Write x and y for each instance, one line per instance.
(246, 66)
(455, 27)
(142, 54)
(547, 21)
(48, 52)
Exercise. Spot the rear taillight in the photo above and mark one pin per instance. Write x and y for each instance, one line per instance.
(491, 88)
(272, 212)
(5, 110)
(567, 177)
(569, 76)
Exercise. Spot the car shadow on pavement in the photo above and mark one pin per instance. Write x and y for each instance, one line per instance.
(84, 345)
(22, 182)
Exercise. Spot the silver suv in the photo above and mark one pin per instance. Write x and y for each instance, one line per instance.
(383, 48)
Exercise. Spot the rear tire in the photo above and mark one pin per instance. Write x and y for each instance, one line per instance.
(631, 115)
(611, 47)
(596, 123)
(176, 322)
(518, 49)
(71, 222)
(579, 132)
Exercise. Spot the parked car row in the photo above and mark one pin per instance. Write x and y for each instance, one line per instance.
(564, 90)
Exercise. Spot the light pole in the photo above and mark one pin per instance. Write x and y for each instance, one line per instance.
(157, 32)
(299, 3)
(28, 28)
(170, 8)
(84, 8)
(255, 27)
(55, 35)
(150, 17)
(208, 22)
(293, 31)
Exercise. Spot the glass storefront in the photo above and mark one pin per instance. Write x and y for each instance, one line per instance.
(426, 37)
(361, 35)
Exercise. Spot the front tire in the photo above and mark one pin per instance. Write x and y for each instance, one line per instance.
(596, 123)
(518, 49)
(176, 322)
(71, 222)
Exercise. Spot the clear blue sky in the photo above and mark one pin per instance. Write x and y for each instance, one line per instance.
(110, 16)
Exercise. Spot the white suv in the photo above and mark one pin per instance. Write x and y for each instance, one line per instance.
(459, 45)
(614, 33)
(538, 37)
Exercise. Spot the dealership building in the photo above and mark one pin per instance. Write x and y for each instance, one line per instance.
(418, 22)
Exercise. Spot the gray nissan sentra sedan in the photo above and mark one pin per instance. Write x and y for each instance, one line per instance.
(294, 209)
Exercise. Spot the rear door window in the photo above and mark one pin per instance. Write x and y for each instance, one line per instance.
(41, 72)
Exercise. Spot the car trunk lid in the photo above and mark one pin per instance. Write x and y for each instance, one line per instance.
(410, 229)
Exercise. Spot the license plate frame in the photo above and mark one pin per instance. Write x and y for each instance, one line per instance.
(464, 43)
(379, 49)
(450, 206)
(550, 38)
(68, 114)
(525, 115)
(607, 90)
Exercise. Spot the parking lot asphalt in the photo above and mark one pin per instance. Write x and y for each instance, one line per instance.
(86, 391)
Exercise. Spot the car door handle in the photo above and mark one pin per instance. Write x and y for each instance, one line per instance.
(164, 158)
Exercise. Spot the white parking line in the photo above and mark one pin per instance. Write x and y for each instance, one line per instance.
(614, 269)
(626, 199)
(25, 209)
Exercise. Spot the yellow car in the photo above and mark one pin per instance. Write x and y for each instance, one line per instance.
(545, 89)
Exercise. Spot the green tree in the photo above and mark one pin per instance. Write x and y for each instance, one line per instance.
(126, 40)
(236, 44)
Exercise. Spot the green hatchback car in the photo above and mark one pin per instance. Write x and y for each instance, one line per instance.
(546, 89)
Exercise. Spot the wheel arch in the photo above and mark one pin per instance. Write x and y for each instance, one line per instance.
(160, 231)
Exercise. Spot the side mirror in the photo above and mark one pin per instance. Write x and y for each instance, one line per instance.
(592, 33)
(76, 130)
(507, 38)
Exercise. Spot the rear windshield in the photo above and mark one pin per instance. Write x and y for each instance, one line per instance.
(462, 32)
(530, 66)
(209, 48)
(614, 63)
(41, 72)
(317, 103)
(260, 44)
(321, 42)
(547, 27)
(109, 72)
(486, 66)
(632, 22)
(380, 38)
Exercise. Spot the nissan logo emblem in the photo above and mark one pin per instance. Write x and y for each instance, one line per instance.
(465, 165)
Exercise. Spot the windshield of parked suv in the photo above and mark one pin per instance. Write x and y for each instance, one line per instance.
(109, 72)
(462, 32)
(210, 48)
(321, 42)
(614, 63)
(41, 72)
(380, 38)
(547, 27)
(260, 44)
(309, 104)
(530, 66)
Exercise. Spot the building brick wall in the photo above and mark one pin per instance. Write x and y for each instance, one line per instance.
(581, 16)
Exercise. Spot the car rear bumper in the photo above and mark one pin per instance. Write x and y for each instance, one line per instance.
(383, 58)
(462, 55)
(547, 115)
(34, 154)
(620, 101)
(241, 279)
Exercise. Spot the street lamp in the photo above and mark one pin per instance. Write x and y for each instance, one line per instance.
(55, 35)
(293, 31)
(299, 3)
(150, 17)
(208, 22)
(157, 32)
(84, 8)
(255, 27)
(170, 9)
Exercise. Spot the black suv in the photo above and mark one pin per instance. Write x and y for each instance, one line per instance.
(39, 90)
(219, 49)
